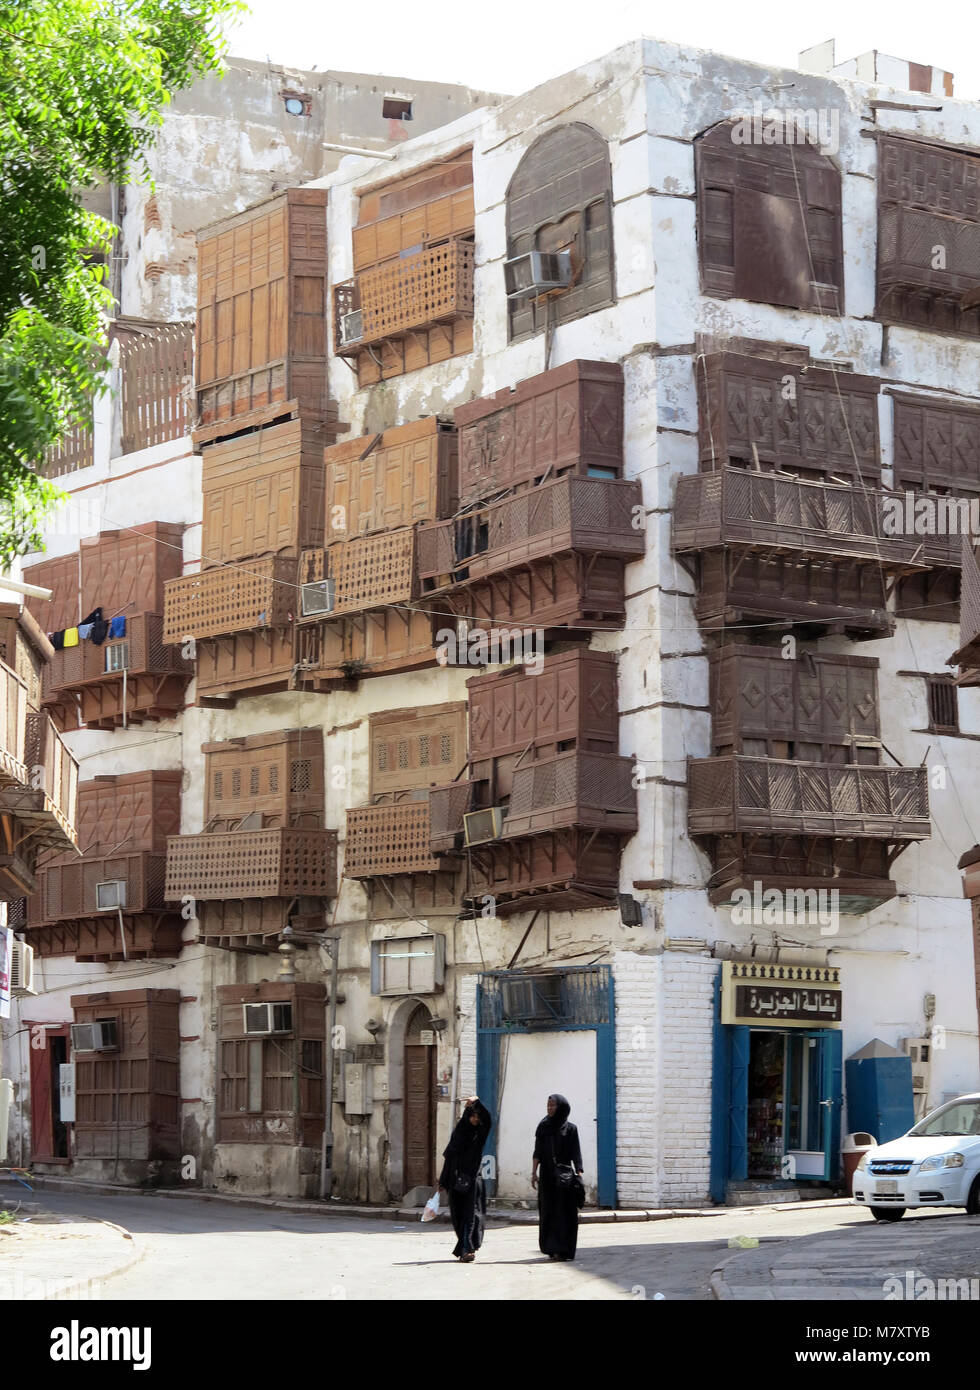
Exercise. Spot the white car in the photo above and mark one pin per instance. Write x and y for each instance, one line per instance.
(936, 1164)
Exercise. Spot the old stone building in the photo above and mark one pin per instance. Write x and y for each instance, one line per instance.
(532, 616)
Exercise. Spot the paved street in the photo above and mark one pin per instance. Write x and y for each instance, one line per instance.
(194, 1249)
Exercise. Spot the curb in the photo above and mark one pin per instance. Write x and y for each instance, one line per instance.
(507, 1215)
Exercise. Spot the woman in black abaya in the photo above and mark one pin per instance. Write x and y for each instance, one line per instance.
(556, 1146)
(460, 1178)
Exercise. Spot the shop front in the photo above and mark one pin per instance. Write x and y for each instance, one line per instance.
(777, 1075)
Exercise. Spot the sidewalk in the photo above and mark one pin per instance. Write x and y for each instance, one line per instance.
(508, 1215)
(38, 1245)
(868, 1262)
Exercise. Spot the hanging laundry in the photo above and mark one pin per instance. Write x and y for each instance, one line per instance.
(58, 640)
(100, 631)
(117, 626)
(94, 617)
(85, 630)
(71, 636)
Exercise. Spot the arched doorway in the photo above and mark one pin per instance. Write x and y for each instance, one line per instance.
(420, 1100)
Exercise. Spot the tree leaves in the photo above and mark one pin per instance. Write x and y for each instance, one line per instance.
(82, 87)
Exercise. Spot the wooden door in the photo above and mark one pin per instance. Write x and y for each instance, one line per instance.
(48, 1140)
(420, 1115)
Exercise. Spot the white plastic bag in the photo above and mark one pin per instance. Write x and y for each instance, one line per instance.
(431, 1209)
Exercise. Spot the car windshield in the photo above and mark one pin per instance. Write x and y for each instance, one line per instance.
(960, 1117)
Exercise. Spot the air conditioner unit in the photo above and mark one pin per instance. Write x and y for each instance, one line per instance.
(117, 657)
(919, 1051)
(22, 969)
(537, 272)
(94, 1037)
(351, 327)
(479, 827)
(110, 895)
(262, 1020)
(530, 998)
(317, 597)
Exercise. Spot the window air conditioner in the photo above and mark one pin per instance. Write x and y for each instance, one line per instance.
(317, 597)
(117, 657)
(110, 895)
(536, 272)
(479, 827)
(261, 1020)
(22, 969)
(94, 1037)
(351, 328)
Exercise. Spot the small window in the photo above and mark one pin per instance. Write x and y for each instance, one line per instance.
(311, 1057)
(396, 108)
(382, 757)
(273, 778)
(943, 706)
(219, 785)
(403, 753)
(300, 774)
(446, 747)
(423, 750)
(236, 782)
(297, 103)
(253, 782)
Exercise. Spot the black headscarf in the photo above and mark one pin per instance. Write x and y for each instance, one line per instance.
(555, 1124)
(465, 1148)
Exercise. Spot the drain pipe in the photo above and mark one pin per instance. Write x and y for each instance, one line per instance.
(326, 1152)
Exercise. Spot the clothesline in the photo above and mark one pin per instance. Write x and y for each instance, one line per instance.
(94, 628)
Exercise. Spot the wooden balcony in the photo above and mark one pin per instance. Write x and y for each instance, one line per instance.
(911, 288)
(778, 514)
(591, 791)
(590, 515)
(560, 870)
(394, 838)
(551, 556)
(857, 871)
(967, 656)
(407, 294)
(125, 680)
(228, 599)
(283, 863)
(38, 805)
(737, 795)
(65, 918)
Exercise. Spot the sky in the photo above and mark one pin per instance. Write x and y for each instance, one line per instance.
(512, 45)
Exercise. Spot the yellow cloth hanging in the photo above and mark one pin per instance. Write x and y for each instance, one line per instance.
(71, 636)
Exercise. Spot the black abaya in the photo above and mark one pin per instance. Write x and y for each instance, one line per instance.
(556, 1142)
(464, 1154)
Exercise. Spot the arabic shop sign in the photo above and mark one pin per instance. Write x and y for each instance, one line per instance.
(785, 996)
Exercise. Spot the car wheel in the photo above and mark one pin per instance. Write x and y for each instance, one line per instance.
(973, 1201)
(888, 1213)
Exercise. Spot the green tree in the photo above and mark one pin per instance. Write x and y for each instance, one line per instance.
(83, 84)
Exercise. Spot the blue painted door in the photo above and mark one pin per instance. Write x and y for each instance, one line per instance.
(738, 1105)
(831, 1064)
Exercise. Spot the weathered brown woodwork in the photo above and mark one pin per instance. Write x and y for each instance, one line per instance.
(967, 656)
(806, 419)
(264, 859)
(123, 824)
(127, 1102)
(420, 1103)
(560, 198)
(739, 794)
(928, 235)
(803, 552)
(392, 479)
(24, 649)
(156, 374)
(244, 663)
(560, 870)
(270, 1090)
(817, 707)
(38, 791)
(261, 321)
(378, 642)
(769, 220)
(567, 420)
(858, 870)
(127, 679)
(231, 598)
(413, 749)
(263, 493)
(413, 273)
